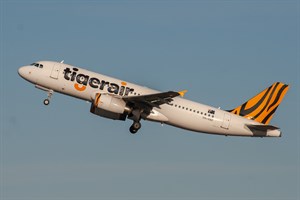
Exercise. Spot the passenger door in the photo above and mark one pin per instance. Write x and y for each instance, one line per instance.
(55, 71)
(226, 121)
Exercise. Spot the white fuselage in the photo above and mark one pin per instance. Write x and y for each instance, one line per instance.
(180, 112)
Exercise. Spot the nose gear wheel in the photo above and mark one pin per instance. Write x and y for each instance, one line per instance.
(47, 101)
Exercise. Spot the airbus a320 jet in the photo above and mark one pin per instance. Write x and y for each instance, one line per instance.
(120, 100)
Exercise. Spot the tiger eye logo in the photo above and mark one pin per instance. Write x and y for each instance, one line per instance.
(79, 87)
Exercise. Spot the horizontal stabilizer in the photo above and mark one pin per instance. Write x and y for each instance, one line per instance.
(261, 127)
(264, 130)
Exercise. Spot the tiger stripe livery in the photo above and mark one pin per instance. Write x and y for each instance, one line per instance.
(262, 107)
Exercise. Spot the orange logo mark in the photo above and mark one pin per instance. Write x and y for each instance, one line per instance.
(80, 88)
(123, 83)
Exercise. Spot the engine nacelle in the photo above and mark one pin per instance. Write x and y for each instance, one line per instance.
(108, 106)
(109, 103)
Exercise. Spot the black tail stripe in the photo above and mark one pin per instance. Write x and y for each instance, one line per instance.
(269, 115)
(269, 99)
(278, 96)
(245, 112)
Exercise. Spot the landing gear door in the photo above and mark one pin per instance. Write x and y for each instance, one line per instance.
(226, 121)
(55, 71)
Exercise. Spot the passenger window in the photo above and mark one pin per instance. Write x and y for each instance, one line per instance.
(37, 65)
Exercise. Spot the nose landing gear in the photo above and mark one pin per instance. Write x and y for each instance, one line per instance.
(47, 101)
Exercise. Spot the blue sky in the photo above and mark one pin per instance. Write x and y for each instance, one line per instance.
(222, 52)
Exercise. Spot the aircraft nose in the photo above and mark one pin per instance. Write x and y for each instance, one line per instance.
(24, 72)
(21, 71)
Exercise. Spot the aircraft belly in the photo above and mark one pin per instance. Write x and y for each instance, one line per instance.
(190, 121)
(198, 123)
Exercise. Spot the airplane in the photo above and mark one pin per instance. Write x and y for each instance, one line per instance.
(120, 100)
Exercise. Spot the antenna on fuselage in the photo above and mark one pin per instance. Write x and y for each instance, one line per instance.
(62, 61)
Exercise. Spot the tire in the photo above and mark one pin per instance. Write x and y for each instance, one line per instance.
(46, 102)
(136, 125)
(132, 130)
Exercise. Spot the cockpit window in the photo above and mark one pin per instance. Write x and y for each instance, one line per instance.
(37, 65)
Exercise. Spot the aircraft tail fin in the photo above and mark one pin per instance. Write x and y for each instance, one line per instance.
(262, 107)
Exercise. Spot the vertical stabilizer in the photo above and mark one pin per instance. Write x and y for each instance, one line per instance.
(262, 107)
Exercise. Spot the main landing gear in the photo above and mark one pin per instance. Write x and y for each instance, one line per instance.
(136, 117)
(47, 101)
(135, 127)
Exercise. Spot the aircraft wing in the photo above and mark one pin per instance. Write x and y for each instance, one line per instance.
(154, 100)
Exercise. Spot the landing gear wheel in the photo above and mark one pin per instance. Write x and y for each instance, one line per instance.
(135, 127)
(46, 102)
(132, 130)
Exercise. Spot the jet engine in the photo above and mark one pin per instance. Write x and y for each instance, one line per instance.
(109, 106)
